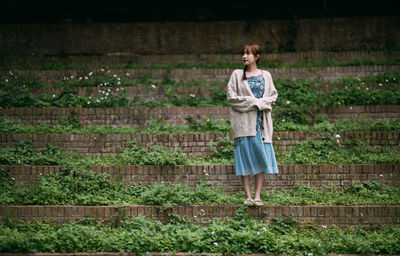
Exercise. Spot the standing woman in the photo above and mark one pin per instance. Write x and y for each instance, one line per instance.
(250, 93)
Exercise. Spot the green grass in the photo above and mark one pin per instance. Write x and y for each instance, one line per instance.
(241, 235)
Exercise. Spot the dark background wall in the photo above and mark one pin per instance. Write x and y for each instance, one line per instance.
(38, 11)
(29, 27)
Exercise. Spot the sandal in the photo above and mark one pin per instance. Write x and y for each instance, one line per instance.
(248, 202)
(258, 202)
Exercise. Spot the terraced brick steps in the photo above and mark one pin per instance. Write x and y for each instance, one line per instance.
(222, 74)
(192, 144)
(343, 216)
(138, 117)
(318, 175)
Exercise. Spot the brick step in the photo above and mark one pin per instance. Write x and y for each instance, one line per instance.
(147, 93)
(342, 216)
(208, 74)
(138, 117)
(110, 60)
(192, 144)
(318, 175)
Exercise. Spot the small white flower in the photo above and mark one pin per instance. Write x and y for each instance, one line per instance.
(40, 174)
(351, 107)
(258, 233)
(119, 79)
(288, 102)
(6, 80)
(114, 75)
(324, 226)
(283, 120)
(80, 78)
(192, 95)
(102, 70)
(102, 98)
(13, 178)
(264, 229)
(127, 74)
(212, 233)
(88, 102)
(339, 103)
(367, 89)
(54, 95)
(105, 98)
(207, 174)
(153, 86)
(119, 83)
(86, 78)
(215, 243)
(109, 90)
(195, 216)
(117, 89)
(278, 138)
(387, 80)
(309, 254)
(72, 76)
(107, 94)
(337, 141)
(380, 84)
(23, 86)
(97, 100)
(337, 136)
(380, 175)
(394, 78)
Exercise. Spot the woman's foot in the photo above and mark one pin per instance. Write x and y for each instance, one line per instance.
(248, 202)
(258, 202)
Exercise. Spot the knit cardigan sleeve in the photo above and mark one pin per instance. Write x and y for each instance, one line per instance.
(244, 101)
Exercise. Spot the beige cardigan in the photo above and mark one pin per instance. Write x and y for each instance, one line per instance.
(244, 106)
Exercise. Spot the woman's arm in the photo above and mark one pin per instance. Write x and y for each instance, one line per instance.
(237, 102)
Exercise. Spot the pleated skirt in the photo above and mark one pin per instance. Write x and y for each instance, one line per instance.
(252, 156)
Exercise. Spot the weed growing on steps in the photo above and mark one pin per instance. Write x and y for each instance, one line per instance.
(326, 150)
(241, 235)
(80, 186)
(207, 125)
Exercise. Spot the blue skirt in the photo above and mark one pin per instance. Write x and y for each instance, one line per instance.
(252, 156)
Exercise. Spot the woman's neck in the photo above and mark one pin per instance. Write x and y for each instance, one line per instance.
(251, 68)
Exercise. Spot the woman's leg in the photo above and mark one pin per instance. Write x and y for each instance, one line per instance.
(246, 186)
(259, 184)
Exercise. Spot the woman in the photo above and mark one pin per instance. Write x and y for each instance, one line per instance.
(250, 93)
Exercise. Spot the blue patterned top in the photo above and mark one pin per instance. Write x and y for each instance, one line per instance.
(257, 84)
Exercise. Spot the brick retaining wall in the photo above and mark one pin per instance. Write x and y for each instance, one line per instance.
(192, 144)
(138, 117)
(318, 175)
(215, 74)
(147, 93)
(123, 59)
(344, 216)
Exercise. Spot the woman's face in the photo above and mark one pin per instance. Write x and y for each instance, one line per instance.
(248, 57)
